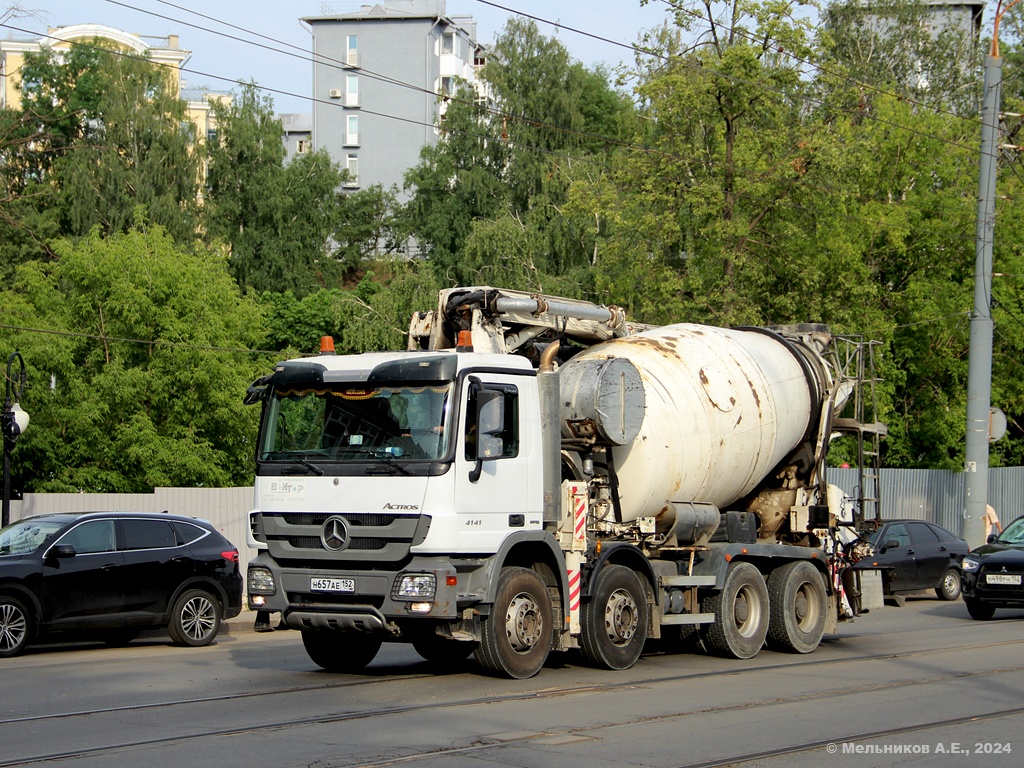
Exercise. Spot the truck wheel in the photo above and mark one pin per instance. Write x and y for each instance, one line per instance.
(741, 614)
(342, 652)
(515, 638)
(442, 651)
(797, 605)
(14, 627)
(195, 619)
(978, 610)
(614, 620)
(949, 589)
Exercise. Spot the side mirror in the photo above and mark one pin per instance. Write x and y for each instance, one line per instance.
(890, 544)
(991, 537)
(257, 391)
(61, 551)
(489, 424)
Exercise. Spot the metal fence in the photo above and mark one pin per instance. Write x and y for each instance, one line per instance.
(923, 494)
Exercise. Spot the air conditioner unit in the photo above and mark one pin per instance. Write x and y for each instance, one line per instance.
(335, 93)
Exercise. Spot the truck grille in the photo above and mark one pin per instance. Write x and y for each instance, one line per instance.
(370, 536)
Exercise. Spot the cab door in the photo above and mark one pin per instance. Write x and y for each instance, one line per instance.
(497, 462)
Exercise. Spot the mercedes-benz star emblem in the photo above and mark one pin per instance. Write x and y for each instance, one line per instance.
(334, 534)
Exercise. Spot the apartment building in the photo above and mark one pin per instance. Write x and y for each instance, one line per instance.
(378, 72)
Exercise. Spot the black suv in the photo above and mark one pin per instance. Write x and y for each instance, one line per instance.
(116, 573)
(993, 574)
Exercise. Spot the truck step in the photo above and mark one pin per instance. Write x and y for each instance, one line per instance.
(687, 618)
(687, 581)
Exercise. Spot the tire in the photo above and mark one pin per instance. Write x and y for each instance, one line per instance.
(949, 588)
(441, 651)
(515, 639)
(797, 604)
(15, 626)
(741, 614)
(614, 620)
(195, 619)
(345, 653)
(978, 610)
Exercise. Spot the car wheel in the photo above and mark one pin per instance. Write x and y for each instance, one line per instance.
(515, 638)
(978, 610)
(195, 619)
(741, 614)
(14, 627)
(949, 589)
(797, 606)
(614, 620)
(441, 651)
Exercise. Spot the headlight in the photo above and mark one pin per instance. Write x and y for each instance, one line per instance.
(415, 586)
(260, 581)
(969, 564)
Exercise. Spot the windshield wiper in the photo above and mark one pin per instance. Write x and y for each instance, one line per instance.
(308, 465)
(387, 459)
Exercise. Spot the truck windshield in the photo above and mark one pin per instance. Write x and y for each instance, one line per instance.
(341, 423)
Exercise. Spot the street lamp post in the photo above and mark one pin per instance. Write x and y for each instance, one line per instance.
(14, 422)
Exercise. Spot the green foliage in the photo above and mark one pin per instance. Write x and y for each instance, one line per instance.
(276, 218)
(108, 134)
(110, 414)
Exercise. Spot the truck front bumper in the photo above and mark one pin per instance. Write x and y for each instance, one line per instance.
(376, 601)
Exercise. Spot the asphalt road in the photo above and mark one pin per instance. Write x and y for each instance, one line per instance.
(921, 685)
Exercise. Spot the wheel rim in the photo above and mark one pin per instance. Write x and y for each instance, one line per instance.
(950, 584)
(747, 612)
(805, 608)
(524, 624)
(13, 627)
(198, 618)
(621, 617)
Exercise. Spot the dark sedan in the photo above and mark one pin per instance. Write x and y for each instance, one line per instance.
(915, 555)
(115, 573)
(992, 573)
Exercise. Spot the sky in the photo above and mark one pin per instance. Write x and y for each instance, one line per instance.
(280, 62)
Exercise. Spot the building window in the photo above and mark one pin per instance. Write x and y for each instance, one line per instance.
(449, 43)
(302, 146)
(352, 166)
(352, 131)
(351, 91)
(352, 51)
(211, 137)
(447, 86)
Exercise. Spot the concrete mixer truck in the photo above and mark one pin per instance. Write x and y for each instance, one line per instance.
(538, 474)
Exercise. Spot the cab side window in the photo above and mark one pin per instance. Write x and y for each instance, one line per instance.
(501, 417)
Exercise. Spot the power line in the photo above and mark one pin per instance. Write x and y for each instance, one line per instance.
(143, 342)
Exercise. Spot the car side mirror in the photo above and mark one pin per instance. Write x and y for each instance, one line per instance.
(62, 551)
(890, 544)
(991, 537)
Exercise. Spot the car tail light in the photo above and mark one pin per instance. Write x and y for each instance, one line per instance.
(230, 555)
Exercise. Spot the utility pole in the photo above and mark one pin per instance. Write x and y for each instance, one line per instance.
(979, 360)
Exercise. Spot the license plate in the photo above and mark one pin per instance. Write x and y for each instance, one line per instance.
(332, 585)
(1003, 578)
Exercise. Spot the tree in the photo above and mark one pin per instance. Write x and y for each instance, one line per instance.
(276, 218)
(100, 133)
(137, 351)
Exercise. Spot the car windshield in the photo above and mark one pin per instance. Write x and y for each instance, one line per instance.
(343, 423)
(26, 536)
(1013, 533)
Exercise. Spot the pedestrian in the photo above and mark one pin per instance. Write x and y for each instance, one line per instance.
(991, 518)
